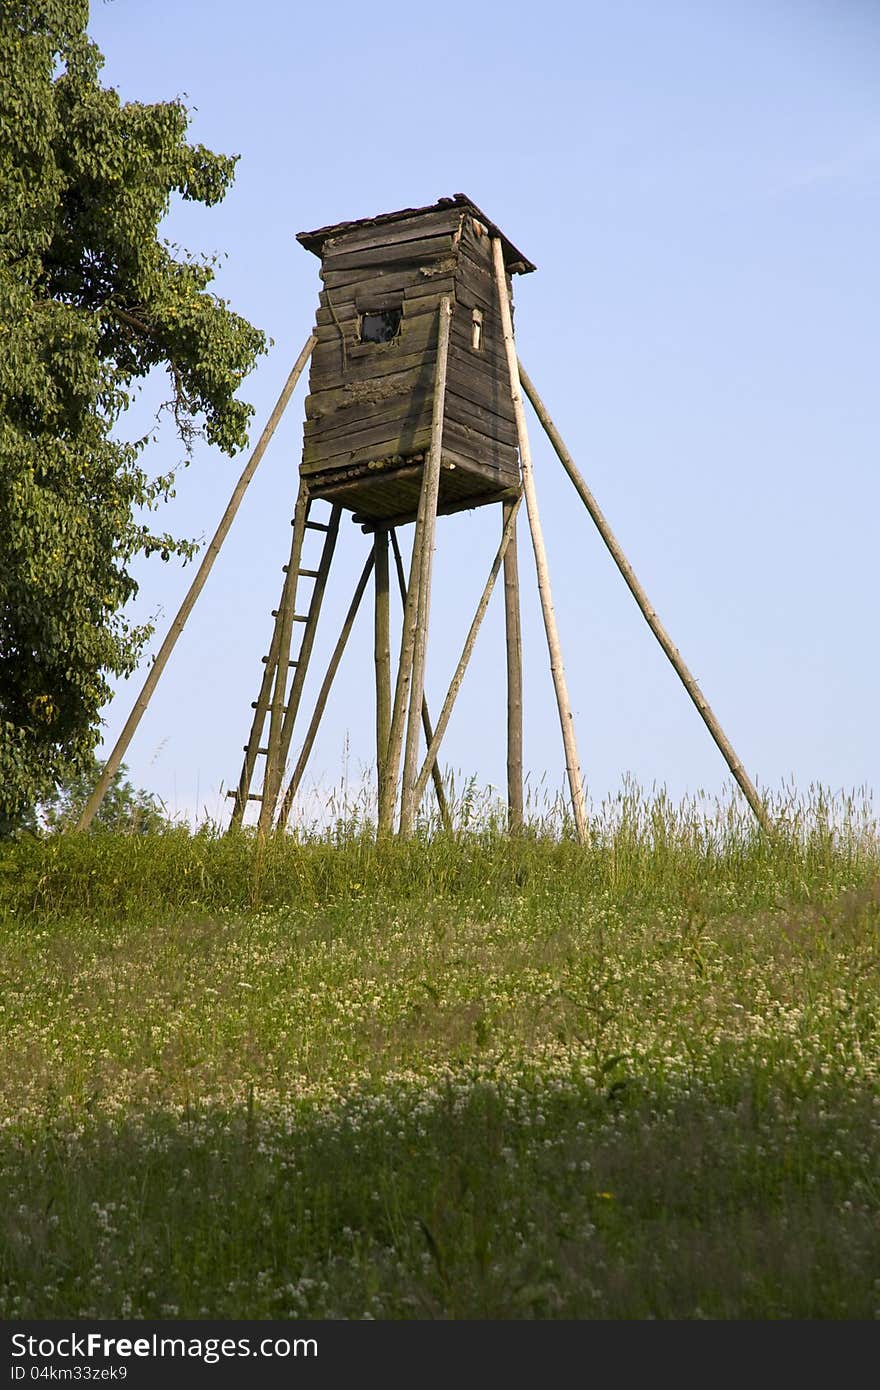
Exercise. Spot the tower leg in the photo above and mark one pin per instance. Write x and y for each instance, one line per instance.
(436, 778)
(557, 668)
(723, 743)
(513, 631)
(408, 807)
(415, 605)
(382, 646)
(388, 784)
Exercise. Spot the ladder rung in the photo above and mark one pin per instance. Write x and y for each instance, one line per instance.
(255, 704)
(264, 659)
(258, 750)
(317, 525)
(297, 617)
(308, 574)
(251, 796)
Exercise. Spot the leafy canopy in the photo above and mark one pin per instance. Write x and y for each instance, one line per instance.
(91, 301)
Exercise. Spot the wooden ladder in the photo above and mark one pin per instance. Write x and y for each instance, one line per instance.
(280, 694)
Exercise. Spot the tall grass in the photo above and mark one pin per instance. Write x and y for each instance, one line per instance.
(640, 846)
(467, 1075)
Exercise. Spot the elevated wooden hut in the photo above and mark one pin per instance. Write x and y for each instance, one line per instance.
(414, 302)
(368, 414)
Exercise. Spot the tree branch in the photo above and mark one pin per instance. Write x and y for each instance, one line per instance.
(125, 317)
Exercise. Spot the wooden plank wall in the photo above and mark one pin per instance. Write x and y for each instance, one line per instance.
(478, 404)
(372, 401)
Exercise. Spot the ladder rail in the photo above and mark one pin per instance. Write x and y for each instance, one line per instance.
(324, 692)
(261, 708)
(274, 761)
(304, 654)
(272, 694)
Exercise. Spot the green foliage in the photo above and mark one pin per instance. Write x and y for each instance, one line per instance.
(91, 301)
(125, 810)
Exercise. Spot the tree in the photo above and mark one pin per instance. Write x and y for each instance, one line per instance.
(91, 301)
(125, 810)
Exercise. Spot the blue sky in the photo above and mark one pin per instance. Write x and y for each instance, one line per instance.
(699, 186)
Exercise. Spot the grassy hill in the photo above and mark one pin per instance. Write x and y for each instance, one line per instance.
(460, 1077)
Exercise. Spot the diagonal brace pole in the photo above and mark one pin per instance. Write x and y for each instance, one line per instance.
(112, 764)
(324, 692)
(648, 613)
(557, 668)
(455, 684)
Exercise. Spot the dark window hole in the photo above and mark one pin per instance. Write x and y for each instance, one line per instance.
(380, 325)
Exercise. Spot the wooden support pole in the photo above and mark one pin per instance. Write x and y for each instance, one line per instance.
(388, 786)
(427, 502)
(118, 753)
(470, 640)
(513, 636)
(557, 668)
(426, 565)
(382, 652)
(324, 692)
(284, 627)
(428, 727)
(648, 613)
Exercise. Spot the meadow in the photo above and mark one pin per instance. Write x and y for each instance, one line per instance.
(467, 1076)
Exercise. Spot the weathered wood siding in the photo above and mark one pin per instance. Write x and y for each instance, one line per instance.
(368, 414)
(479, 411)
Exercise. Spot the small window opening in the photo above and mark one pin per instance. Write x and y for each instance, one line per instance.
(477, 330)
(380, 325)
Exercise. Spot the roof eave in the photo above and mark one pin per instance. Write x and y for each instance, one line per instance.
(514, 260)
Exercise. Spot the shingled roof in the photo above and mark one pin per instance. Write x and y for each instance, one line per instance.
(514, 260)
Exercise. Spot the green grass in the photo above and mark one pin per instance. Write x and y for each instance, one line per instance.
(460, 1077)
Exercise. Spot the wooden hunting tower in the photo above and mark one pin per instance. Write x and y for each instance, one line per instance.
(415, 408)
(369, 411)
